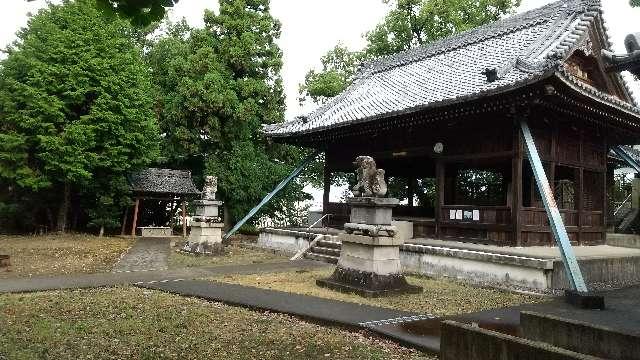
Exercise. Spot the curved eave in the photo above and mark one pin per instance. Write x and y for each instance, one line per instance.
(325, 131)
(622, 108)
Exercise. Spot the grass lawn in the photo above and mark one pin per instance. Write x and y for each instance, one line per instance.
(234, 255)
(440, 296)
(132, 323)
(61, 254)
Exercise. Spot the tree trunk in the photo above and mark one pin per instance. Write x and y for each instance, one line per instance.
(64, 209)
(101, 231)
(50, 219)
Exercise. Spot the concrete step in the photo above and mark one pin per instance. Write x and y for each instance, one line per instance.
(325, 251)
(321, 257)
(329, 244)
(579, 336)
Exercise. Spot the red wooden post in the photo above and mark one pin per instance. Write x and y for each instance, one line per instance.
(184, 218)
(135, 217)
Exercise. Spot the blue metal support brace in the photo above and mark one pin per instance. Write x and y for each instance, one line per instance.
(279, 187)
(555, 219)
(620, 151)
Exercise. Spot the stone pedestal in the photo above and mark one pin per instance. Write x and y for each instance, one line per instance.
(369, 263)
(206, 229)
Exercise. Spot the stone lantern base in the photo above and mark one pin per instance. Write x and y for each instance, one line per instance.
(206, 230)
(369, 263)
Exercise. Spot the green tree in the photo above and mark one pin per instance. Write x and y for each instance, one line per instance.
(139, 12)
(635, 3)
(216, 87)
(75, 111)
(408, 24)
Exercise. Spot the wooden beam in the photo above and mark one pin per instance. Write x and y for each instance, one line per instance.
(135, 217)
(184, 218)
(516, 186)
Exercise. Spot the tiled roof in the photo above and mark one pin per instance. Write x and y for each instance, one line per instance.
(519, 49)
(163, 181)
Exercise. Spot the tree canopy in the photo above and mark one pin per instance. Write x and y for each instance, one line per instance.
(139, 12)
(75, 116)
(216, 87)
(408, 24)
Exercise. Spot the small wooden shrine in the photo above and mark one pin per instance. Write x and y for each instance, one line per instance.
(159, 189)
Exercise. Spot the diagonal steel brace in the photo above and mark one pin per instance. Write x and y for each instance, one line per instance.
(555, 219)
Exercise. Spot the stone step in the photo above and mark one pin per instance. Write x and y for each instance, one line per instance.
(320, 257)
(325, 251)
(329, 244)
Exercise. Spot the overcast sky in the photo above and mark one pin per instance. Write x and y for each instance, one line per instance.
(311, 27)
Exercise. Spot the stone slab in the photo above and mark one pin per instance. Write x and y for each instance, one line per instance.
(373, 201)
(207, 202)
(202, 224)
(370, 240)
(155, 231)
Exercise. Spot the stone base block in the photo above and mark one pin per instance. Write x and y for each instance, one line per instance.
(371, 210)
(203, 248)
(205, 239)
(381, 260)
(367, 284)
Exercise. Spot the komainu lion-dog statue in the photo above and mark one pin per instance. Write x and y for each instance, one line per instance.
(370, 179)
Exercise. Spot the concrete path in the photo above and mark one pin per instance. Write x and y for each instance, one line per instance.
(334, 311)
(146, 254)
(78, 281)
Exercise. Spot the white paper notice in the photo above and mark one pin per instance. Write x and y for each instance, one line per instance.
(476, 215)
(458, 214)
(452, 214)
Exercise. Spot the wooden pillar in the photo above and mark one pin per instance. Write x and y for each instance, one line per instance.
(411, 190)
(135, 217)
(440, 176)
(516, 186)
(124, 221)
(184, 218)
(327, 187)
(579, 200)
